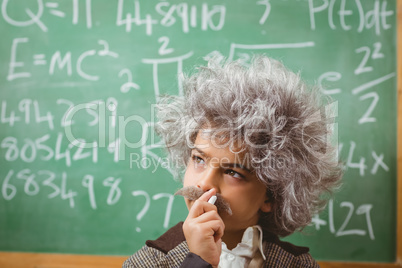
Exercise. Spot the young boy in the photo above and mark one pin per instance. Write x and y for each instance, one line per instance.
(257, 138)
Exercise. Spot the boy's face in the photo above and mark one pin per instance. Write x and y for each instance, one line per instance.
(214, 166)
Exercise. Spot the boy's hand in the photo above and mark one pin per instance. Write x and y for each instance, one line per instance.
(204, 229)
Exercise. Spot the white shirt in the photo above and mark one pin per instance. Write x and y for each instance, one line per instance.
(241, 255)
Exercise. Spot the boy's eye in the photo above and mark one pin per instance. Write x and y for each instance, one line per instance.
(234, 174)
(198, 160)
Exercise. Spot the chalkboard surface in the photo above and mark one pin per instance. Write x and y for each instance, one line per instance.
(88, 73)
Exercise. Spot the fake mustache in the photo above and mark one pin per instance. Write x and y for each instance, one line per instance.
(193, 193)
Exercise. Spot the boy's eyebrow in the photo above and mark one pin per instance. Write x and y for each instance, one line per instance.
(200, 151)
(236, 165)
(226, 165)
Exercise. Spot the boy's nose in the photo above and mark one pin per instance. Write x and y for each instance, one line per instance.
(208, 179)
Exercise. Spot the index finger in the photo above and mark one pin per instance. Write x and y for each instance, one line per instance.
(207, 195)
(199, 208)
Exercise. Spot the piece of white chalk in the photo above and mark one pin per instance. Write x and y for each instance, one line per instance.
(212, 200)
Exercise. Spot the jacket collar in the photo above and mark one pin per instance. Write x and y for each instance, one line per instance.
(174, 236)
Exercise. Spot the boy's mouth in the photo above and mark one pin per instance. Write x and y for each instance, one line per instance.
(193, 193)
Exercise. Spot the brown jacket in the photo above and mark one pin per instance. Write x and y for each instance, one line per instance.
(171, 250)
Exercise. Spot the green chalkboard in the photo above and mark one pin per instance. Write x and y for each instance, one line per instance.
(89, 72)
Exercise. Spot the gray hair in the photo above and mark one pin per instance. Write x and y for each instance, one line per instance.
(281, 122)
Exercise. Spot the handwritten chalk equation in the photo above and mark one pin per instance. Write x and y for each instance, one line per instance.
(99, 192)
(359, 163)
(59, 146)
(34, 15)
(338, 13)
(205, 17)
(33, 112)
(129, 14)
(102, 123)
(364, 210)
(370, 55)
(30, 150)
(59, 62)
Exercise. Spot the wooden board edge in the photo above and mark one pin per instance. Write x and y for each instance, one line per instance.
(49, 260)
(335, 264)
(399, 134)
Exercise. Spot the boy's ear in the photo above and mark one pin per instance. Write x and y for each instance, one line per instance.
(266, 206)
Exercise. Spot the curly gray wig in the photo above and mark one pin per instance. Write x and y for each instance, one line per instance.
(281, 122)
